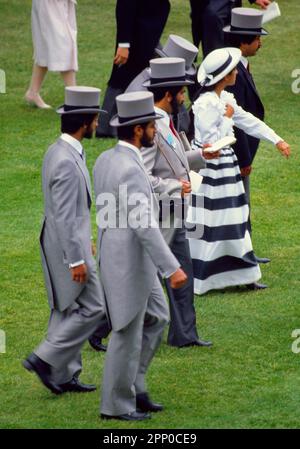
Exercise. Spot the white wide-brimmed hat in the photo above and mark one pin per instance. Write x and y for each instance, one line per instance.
(134, 108)
(167, 72)
(81, 100)
(246, 21)
(218, 64)
(178, 47)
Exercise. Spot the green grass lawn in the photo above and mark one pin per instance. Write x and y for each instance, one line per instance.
(250, 378)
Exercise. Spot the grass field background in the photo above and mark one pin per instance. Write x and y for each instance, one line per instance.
(251, 377)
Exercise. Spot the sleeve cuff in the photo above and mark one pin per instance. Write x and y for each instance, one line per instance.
(167, 275)
(124, 45)
(76, 264)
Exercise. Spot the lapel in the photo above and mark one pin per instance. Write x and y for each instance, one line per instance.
(176, 148)
(248, 77)
(82, 166)
(132, 155)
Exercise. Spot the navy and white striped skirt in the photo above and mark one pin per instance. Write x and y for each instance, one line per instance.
(222, 253)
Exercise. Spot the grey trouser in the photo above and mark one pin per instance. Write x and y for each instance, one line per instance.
(68, 330)
(129, 354)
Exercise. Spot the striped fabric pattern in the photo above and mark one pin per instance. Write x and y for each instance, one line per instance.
(223, 256)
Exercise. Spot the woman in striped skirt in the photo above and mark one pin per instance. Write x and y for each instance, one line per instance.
(223, 255)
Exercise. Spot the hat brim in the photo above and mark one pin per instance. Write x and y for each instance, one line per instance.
(235, 53)
(148, 118)
(168, 83)
(189, 71)
(61, 111)
(263, 32)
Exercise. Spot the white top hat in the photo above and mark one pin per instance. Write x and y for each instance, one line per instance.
(218, 64)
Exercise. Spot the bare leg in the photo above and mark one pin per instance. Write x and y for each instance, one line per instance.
(33, 93)
(69, 77)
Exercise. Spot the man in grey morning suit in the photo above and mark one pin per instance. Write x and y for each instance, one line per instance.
(74, 291)
(168, 165)
(131, 251)
(175, 47)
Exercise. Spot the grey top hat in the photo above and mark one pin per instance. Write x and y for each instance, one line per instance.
(167, 72)
(178, 47)
(134, 108)
(246, 21)
(81, 100)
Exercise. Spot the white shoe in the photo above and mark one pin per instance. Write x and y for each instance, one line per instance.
(36, 100)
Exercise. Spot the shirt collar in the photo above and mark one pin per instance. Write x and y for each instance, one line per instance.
(73, 142)
(166, 117)
(244, 61)
(133, 148)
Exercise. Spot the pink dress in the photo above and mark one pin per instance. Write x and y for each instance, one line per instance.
(54, 34)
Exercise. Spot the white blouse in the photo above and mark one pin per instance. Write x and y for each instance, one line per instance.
(211, 124)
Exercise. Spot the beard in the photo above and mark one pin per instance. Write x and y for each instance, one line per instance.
(88, 134)
(175, 106)
(146, 142)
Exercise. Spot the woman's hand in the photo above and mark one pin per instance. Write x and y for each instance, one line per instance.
(208, 156)
(229, 111)
(284, 148)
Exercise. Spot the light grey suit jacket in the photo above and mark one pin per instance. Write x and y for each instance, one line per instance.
(167, 162)
(66, 232)
(137, 84)
(129, 257)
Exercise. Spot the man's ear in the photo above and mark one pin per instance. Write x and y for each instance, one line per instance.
(138, 130)
(168, 97)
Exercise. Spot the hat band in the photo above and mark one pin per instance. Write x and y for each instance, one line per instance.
(223, 67)
(167, 80)
(74, 108)
(135, 117)
(234, 28)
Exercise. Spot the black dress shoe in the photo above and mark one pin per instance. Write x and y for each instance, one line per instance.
(133, 416)
(262, 259)
(144, 404)
(75, 386)
(42, 370)
(96, 343)
(198, 343)
(256, 286)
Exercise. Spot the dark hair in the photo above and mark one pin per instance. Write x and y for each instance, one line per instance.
(202, 90)
(70, 123)
(127, 132)
(160, 92)
(236, 40)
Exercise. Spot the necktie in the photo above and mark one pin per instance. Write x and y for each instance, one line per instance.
(172, 127)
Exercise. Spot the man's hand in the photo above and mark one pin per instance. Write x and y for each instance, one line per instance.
(263, 3)
(79, 274)
(186, 187)
(229, 111)
(284, 148)
(245, 171)
(178, 279)
(121, 56)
